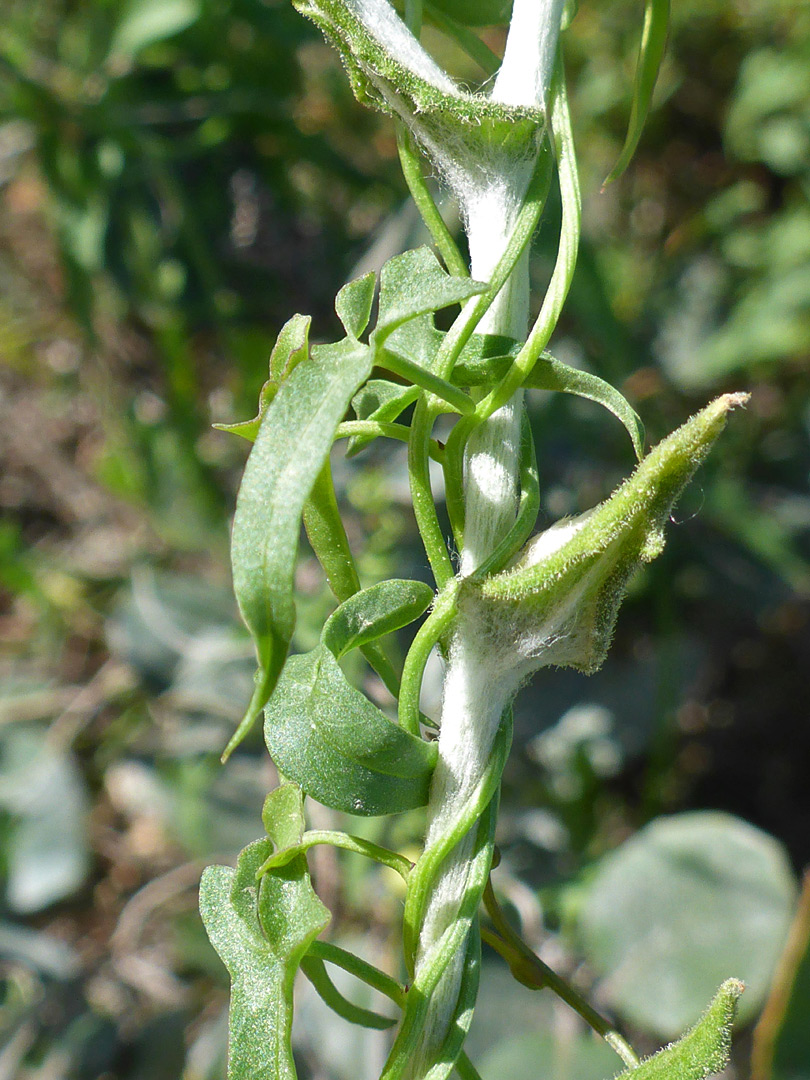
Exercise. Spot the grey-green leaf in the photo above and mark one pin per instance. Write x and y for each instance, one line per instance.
(261, 933)
(375, 612)
(651, 53)
(688, 901)
(414, 284)
(294, 440)
(353, 304)
(341, 748)
(703, 1051)
(551, 374)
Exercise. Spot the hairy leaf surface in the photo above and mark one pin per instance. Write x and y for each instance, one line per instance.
(703, 1051)
(262, 932)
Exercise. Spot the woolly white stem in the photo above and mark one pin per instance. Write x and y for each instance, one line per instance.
(475, 694)
(531, 48)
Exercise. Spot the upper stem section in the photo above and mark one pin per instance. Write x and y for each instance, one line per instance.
(531, 50)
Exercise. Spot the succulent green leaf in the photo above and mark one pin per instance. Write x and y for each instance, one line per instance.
(558, 605)
(341, 748)
(353, 304)
(262, 932)
(375, 612)
(414, 284)
(291, 346)
(651, 53)
(380, 400)
(292, 445)
(551, 374)
(703, 1051)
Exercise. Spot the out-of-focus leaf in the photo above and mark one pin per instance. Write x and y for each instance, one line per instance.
(475, 12)
(686, 902)
(146, 22)
(48, 856)
(781, 1048)
(578, 1057)
(262, 931)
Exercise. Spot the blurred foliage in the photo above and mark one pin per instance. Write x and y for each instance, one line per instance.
(177, 177)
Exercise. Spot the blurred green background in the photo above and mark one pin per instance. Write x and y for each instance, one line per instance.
(178, 177)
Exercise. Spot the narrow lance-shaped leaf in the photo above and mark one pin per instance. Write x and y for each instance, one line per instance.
(651, 53)
(703, 1051)
(294, 440)
(328, 737)
(262, 932)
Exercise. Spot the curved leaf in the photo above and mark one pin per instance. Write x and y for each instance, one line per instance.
(341, 748)
(294, 440)
(551, 374)
(414, 284)
(315, 970)
(650, 55)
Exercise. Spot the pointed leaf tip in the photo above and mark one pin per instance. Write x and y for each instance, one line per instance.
(558, 604)
(703, 1051)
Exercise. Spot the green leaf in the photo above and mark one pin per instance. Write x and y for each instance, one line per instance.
(781, 1049)
(146, 22)
(683, 904)
(475, 12)
(559, 603)
(291, 347)
(375, 612)
(703, 1051)
(262, 933)
(341, 748)
(353, 304)
(414, 284)
(294, 440)
(651, 53)
(551, 374)
(380, 400)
